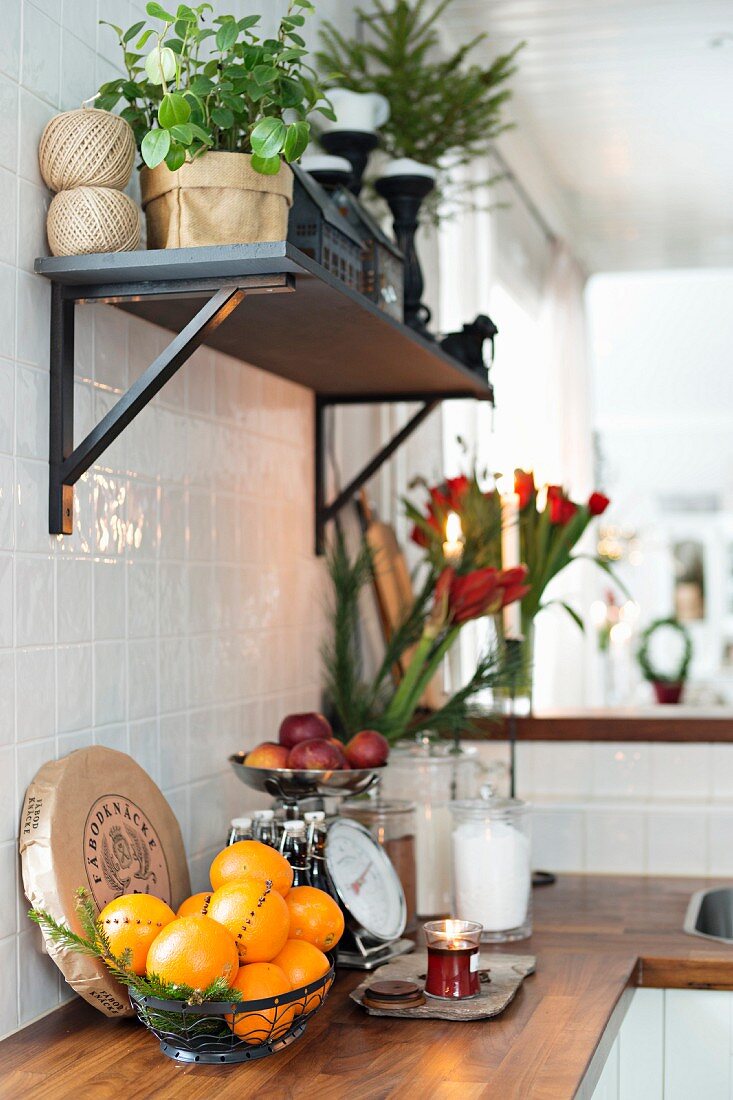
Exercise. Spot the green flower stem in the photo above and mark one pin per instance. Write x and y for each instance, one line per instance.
(423, 666)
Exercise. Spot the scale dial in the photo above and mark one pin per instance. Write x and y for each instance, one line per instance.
(365, 880)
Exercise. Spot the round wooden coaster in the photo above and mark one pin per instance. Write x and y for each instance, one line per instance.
(393, 994)
(394, 990)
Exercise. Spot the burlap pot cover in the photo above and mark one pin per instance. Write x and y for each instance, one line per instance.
(96, 819)
(216, 199)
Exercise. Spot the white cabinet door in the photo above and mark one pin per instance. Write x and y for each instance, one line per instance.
(697, 1056)
(641, 1047)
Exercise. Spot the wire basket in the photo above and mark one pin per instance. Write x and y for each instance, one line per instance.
(207, 1032)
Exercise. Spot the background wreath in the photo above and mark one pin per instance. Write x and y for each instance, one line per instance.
(648, 670)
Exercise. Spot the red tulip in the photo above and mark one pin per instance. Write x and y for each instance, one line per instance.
(597, 504)
(524, 486)
(459, 598)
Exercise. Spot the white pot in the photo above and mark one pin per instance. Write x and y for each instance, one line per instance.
(322, 162)
(405, 166)
(364, 111)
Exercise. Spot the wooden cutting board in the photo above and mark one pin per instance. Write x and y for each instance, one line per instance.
(506, 972)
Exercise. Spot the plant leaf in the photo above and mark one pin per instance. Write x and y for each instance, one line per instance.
(226, 36)
(268, 137)
(182, 133)
(570, 610)
(296, 140)
(133, 30)
(173, 110)
(155, 146)
(223, 117)
(157, 12)
(266, 166)
(176, 155)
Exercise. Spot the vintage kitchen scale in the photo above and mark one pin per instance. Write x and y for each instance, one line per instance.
(367, 884)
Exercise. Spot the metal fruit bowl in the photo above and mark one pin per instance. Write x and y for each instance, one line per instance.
(202, 1032)
(292, 781)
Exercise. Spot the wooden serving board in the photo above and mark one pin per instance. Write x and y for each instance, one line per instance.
(507, 972)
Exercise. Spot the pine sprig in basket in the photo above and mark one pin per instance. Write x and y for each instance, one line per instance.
(95, 944)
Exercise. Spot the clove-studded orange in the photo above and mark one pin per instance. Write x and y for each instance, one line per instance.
(249, 859)
(255, 914)
(194, 952)
(132, 922)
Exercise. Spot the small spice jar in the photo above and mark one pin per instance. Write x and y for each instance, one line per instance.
(492, 874)
(453, 959)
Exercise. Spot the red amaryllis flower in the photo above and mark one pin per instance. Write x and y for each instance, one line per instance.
(457, 487)
(562, 510)
(597, 504)
(459, 598)
(524, 486)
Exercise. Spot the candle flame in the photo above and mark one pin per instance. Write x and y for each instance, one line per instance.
(453, 529)
(452, 929)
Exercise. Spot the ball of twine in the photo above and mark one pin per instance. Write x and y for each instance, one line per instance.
(92, 219)
(87, 147)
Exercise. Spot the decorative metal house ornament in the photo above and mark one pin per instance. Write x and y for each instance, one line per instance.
(383, 265)
(319, 229)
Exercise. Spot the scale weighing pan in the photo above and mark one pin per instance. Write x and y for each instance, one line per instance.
(300, 781)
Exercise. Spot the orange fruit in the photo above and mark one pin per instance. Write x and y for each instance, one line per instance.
(303, 964)
(132, 922)
(193, 951)
(255, 915)
(255, 982)
(195, 906)
(314, 917)
(252, 859)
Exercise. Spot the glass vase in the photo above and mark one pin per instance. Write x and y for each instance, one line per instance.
(515, 696)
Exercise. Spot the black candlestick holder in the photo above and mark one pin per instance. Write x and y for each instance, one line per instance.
(404, 196)
(355, 146)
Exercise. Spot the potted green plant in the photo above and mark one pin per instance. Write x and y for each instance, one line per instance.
(444, 111)
(668, 683)
(215, 110)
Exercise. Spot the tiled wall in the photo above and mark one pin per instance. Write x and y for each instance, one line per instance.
(636, 808)
(182, 617)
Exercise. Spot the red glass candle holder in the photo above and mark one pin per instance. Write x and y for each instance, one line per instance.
(453, 958)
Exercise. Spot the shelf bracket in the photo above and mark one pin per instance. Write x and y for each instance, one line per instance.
(68, 463)
(328, 511)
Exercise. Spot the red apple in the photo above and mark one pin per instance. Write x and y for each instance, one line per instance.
(304, 727)
(316, 754)
(341, 750)
(367, 749)
(267, 755)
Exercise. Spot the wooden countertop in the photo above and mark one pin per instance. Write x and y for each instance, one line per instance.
(596, 937)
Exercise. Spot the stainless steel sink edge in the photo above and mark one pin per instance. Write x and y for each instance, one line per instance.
(693, 912)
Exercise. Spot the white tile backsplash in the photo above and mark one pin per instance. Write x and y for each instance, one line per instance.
(138, 627)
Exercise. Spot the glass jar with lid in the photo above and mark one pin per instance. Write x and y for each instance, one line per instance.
(392, 823)
(432, 774)
(492, 867)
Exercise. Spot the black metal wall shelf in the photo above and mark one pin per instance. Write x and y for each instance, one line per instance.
(305, 326)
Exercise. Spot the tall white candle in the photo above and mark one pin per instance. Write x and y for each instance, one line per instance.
(511, 552)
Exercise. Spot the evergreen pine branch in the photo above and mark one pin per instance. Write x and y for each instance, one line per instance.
(95, 944)
(342, 667)
(496, 668)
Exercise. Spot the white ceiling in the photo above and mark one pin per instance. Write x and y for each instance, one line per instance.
(631, 108)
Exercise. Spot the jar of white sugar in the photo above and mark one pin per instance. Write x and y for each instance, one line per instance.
(492, 875)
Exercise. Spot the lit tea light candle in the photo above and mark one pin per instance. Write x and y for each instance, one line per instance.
(453, 958)
(511, 553)
(453, 545)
